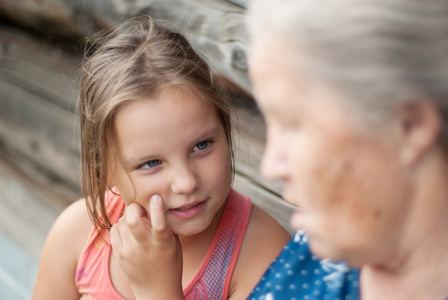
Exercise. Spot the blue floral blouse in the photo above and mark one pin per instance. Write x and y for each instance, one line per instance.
(297, 274)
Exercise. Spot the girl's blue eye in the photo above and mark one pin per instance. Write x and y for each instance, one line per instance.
(151, 164)
(201, 146)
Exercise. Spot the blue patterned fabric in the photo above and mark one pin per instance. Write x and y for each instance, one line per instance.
(298, 275)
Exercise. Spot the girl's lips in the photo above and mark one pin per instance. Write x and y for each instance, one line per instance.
(189, 211)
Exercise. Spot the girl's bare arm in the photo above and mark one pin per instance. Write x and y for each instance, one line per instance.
(57, 266)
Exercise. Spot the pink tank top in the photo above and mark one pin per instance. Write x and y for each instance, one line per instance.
(212, 281)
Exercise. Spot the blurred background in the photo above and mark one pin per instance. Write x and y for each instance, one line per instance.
(40, 54)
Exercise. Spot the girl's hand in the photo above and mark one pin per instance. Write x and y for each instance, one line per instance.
(148, 252)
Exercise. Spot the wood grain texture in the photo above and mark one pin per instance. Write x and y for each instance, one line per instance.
(215, 27)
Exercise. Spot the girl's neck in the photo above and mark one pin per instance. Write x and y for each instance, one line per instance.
(203, 237)
(195, 248)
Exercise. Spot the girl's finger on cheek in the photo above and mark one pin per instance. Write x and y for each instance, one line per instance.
(157, 213)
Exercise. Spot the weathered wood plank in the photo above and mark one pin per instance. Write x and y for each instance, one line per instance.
(250, 142)
(37, 103)
(215, 27)
(48, 149)
(39, 67)
(29, 204)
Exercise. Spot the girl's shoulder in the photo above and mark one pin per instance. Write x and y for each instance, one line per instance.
(73, 225)
(265, 237)
(264, 240)
(61, 252)
(70, 232)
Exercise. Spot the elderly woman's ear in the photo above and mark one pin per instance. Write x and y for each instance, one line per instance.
(419, 125)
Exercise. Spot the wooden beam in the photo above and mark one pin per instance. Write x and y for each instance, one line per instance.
(215, 27)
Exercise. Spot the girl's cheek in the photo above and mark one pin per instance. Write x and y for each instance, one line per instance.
(145, 186)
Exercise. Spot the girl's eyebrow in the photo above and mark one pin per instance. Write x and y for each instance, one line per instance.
(210, 132)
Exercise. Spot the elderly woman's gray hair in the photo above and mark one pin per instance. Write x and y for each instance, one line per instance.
(377, 53)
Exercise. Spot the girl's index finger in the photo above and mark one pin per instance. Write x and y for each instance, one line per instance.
(158, 219)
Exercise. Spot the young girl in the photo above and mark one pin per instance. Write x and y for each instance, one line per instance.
(157, 169)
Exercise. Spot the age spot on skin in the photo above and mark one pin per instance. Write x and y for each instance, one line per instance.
(377, 214)
(348, 166)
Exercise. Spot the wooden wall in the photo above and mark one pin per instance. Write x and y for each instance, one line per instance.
(215, 27)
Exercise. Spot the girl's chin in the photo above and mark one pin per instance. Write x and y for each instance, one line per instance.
(187, 230)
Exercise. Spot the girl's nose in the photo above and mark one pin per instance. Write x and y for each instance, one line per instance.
(184, 180)
(275, 163)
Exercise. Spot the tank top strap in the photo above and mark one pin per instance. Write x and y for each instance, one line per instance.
(92, 274)
(114, 205)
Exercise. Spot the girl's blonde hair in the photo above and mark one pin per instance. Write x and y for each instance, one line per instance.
(138, 59)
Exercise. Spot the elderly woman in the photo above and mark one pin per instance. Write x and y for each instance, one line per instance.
(355, 94)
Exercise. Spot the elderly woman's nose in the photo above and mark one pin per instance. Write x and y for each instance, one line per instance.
(275, 163)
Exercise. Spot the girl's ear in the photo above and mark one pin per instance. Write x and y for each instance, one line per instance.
(420, 125)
